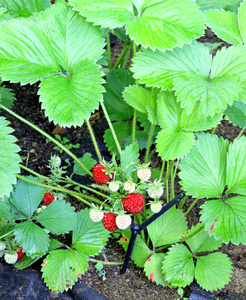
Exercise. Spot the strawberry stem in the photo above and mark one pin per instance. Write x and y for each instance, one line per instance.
(106, 262)
(94, 140)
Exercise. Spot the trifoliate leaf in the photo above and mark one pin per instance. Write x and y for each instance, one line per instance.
(55, 220)
(202, 242)
(27, 196)
(87, 161)
(237, 113)
(226, 219)
(236, 167)
(9, 158)
(116, 81)
(140, 252)
(152, 269)
(61, 269)
(213, 271)
(88, 237)
(129, 158)
(32, 238)
(203, 170)
(178, 266)
(168, 228)
(154, 24)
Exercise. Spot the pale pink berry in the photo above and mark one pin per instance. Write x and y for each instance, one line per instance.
(144, 174)
(123, 221)
(11, 258)
(129, 187)
(114, 186)
(155, 207)
(96, 215)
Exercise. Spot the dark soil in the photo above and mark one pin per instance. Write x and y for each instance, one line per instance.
(35, 152)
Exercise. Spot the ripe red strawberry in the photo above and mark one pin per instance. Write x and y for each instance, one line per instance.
(109, 221)
(133, 203)
(20, 253)
(101, 174)
(48, 198)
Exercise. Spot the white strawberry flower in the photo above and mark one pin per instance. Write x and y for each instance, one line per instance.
(129, 187)
(2, 246)
(155, 189)
(123, 221)
(155, 207)
(96, 215)
(11, 258)
(114, 186)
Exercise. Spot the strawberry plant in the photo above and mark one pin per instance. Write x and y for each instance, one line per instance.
(173, 92)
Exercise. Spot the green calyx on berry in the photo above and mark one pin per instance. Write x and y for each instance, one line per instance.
(103, 172)
(133, 203)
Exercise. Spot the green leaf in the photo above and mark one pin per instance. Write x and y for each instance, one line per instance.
(226, 219)
(129, 158)
(7, 97)
(168, 228)
(88, 237)
(87, 161)
(236, 167)
(70, 100)
(9, 159)
(27, 196)
(241, 20)
(213, 271)
(225, 25)
(173, 143)
(178, 266)
(203, 169)
(61, 269)
(116, 81)
(237, 113)
(152, 269)
(32, 238)
(139, 98)
(202, 242)
(156, 24)
(8, 211)
(231, 5)
(140, 252)
(55, 220)
(22, 8)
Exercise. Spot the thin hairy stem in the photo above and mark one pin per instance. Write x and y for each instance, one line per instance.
(109, 53)
(94, 140)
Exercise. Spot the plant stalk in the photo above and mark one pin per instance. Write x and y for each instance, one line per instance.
(121, 57)
(134, 121)
(241, 132)
(191, 206)
(105, 262)
(109, 53)
(94, 140)
(127, 56)
(149, 143)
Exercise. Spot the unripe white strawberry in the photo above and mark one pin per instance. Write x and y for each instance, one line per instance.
(2, 246)
(144, 174)
(11, 258)
(55, 161)
(114, 186)
(129, 187)
(155, 189)
(1, 254)
(96, 215)
(123, 221)
(155, 207)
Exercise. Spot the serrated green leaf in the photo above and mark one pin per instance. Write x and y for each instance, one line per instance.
(139, 98)
(9, 159)
(157, 24)
(236, 167)
(213, 271)
(152, 269)
(87, 161)
(168, 228)
(116, 81)
(5, 229)
(22, 8)
(7, 97)
(237, 113)
(231, 5)
(32, 238)
(202, 242)
(8, 211)
(173, 143)
(55, 220)
(203, 169)
(225, 25)
(226, 219)
(241, 20)
(88, 237)
(140, 252)
(70, 100)
(129, 158)
(61, 269)
(178, 266)
(27, 196)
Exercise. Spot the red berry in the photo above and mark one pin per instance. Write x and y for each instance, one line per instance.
(109, 221)
(48, 198)
(133, 203)
(20, 253)
(99, 175)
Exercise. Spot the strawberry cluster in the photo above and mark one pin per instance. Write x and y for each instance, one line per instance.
(11, 251)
